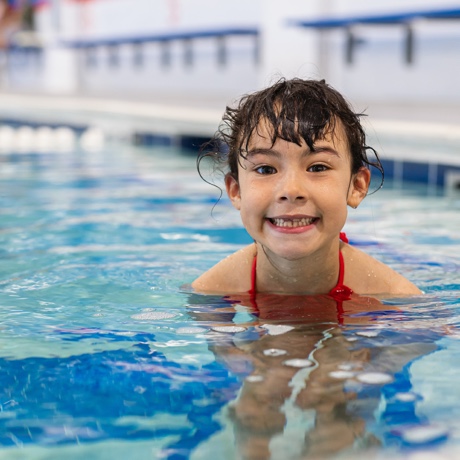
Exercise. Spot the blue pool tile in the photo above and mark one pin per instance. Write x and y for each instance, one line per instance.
(416, 172)
(152, 139)
(443, 171)
(388, 166)
(412, 171)
(193, 143)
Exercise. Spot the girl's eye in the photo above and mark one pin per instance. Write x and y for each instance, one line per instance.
(318, 168)
(265, 169)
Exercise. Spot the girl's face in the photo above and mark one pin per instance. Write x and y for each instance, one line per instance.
(293, 201)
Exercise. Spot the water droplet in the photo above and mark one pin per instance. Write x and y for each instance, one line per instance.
(298, 363)
(229, 329)
(274, 352)
(424, 434)
(153, 315)
(254, 378)
(374, 378)
(191, 330)
(341, 375)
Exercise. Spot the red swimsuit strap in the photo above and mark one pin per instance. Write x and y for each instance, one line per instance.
(341, 270)
(339, 292)
(343, 237)
(252, 291)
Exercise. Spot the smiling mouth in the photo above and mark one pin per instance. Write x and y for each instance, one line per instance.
(293, 223)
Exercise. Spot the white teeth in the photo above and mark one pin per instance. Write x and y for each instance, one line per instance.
(293, 222)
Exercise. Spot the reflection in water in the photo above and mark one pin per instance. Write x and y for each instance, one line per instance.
(320, 375)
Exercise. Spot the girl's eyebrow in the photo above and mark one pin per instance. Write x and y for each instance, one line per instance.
(262, 151)
(325, 149)
(277, 153)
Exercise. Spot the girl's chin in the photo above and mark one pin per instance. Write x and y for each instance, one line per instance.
(291, 254)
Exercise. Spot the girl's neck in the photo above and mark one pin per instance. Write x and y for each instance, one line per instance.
(315, 274)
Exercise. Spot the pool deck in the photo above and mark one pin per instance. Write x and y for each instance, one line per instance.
(164, 120)
(202, 114)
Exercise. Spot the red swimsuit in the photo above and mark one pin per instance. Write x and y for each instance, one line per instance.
(339, 293)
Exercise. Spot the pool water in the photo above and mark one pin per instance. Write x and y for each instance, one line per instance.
(105, 353)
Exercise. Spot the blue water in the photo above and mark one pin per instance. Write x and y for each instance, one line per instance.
(105, 353)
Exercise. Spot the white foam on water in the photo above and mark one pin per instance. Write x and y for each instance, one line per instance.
(172, 343)
(298, 363)
(153, 315)
(424, 434)
(277, 329)
(341, 375)
(368, 333)
(191, 330)
(254, 378)
(229, 329)
(349, 366)
(405, 397)
(274, 352)
(374, 378)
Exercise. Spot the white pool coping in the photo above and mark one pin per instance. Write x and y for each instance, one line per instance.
(106, 113)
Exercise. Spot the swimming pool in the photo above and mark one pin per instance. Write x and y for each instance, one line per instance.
(105, 355)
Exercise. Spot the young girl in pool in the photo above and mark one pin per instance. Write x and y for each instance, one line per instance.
(296, 159)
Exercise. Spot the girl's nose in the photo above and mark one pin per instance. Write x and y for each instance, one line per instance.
(293, 188)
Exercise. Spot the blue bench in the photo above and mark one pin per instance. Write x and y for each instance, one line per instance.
(165, 39)
(404, 18)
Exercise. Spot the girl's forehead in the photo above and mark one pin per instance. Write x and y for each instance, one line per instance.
(263, 135)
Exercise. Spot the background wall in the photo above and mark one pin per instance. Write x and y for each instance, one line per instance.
(379, 72)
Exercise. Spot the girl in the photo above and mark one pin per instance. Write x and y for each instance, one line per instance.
(296, 159)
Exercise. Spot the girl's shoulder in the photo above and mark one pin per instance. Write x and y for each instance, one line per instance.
(230, 275)
(367, 275)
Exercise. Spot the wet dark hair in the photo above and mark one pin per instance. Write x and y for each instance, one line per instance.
(295, 109)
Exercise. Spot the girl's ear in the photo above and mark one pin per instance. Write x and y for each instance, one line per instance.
(359, 187)
(233, 190)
